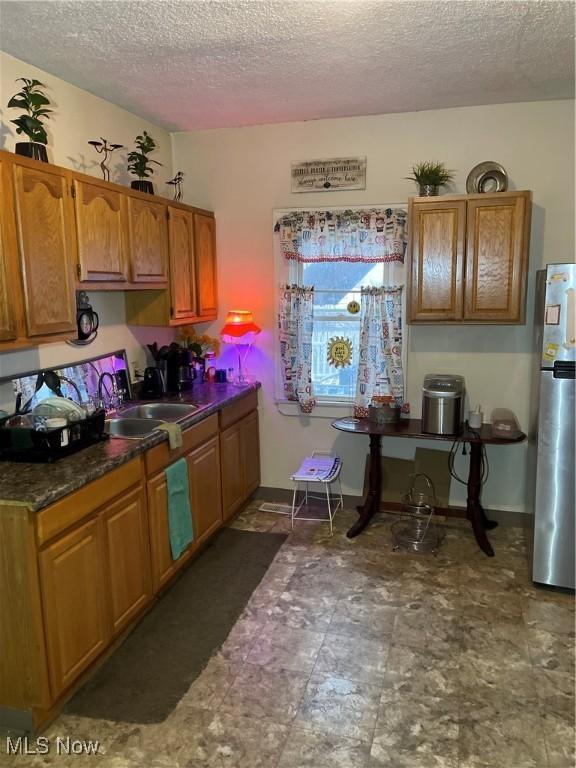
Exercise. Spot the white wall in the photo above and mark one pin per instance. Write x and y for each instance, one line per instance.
(78, 117)
(242, 174)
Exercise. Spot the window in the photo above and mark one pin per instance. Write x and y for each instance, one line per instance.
(336, 284)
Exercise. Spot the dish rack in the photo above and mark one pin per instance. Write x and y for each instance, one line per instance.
(33, 445)
(417, 531)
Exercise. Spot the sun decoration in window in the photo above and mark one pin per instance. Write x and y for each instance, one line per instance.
(339, 352)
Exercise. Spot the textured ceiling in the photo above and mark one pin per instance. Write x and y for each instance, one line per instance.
(211, 63)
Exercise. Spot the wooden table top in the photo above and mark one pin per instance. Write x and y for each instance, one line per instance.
(413, 428)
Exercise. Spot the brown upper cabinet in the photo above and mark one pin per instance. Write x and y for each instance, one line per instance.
(47, 246)
(205, 246)
(182, 264)
(148, 240)
(9, 274)
(102, 231)
(61, 230)
(192, 296)
(468, 257)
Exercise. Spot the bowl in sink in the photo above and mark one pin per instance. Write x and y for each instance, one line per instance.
(130, 428)
(162, 411)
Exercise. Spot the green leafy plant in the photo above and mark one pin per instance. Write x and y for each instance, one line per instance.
(34, 102)
(431, 173)
(138, 161)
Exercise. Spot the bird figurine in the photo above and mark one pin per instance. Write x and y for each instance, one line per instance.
(177, 184)
(102, 147)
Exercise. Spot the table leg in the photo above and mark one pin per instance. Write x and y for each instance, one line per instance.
(475, 513)
(372, 501)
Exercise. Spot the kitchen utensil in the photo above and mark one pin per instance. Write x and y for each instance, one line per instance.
(481, 173)
(154, 351)
(153, 383)
(52, 381)
(60, 406)
(178, 372)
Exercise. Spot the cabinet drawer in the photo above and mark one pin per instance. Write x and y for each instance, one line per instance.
(160, 456)
(238, 409)
(69, 510)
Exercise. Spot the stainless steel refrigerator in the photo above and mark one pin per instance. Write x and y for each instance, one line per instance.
(552, 433)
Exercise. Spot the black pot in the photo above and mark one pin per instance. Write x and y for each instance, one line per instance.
(143, 186)
(32, 149)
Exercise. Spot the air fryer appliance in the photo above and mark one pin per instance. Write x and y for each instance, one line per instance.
(153, 383)
(442, 404)
(179, 374)
(552, 432)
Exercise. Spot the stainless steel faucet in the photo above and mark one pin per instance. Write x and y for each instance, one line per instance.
(111, 395)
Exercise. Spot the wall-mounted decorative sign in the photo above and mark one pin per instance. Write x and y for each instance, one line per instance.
(333, 174)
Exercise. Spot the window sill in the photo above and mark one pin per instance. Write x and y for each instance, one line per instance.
(324, 410)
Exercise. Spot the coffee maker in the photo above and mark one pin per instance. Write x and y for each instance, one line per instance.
(179, 371)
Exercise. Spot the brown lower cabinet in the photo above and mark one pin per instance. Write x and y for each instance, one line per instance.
(94, 581)
(240, 455)
(77, 574)
(76, 618)
(127, 557)
(203, 461)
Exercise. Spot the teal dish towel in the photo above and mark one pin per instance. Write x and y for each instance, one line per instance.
(179, 512)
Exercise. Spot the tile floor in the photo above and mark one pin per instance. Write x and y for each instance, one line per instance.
(350, 655)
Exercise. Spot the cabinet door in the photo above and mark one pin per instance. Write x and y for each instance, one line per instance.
(148, 240)
(75, 611)
(205, 493)
(496, 259)
(437, 253)
(232, 471)
(163, 566)
(9, 278)
(101, 228)
(250, 453)
(126, 526)
(182, 271)
(205, 253)
(47, 250)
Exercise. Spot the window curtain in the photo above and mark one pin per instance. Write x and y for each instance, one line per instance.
(295, 325)
(370, 235)
(380, 354)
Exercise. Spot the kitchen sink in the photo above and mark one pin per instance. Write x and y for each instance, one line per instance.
(133, 429)
(162, 411)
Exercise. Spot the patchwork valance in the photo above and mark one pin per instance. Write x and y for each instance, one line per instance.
(370, 235)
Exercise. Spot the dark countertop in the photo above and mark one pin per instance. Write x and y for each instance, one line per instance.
(37, 485)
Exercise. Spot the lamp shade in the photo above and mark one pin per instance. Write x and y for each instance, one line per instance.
(239, 323)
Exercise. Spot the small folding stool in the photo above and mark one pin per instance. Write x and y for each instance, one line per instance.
(311, 473)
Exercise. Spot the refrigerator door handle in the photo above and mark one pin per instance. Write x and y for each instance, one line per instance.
(564, 369)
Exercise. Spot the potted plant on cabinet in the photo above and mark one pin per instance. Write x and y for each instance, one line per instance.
(140, 164)
(34, 102)
(430, 176)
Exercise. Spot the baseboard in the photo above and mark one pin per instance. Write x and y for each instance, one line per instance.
(505, 517)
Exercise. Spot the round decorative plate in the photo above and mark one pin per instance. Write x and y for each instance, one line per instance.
(487, 177)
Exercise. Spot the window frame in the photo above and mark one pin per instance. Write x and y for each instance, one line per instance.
(291, 271)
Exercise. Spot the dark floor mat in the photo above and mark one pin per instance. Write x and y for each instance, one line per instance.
(147, 676)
